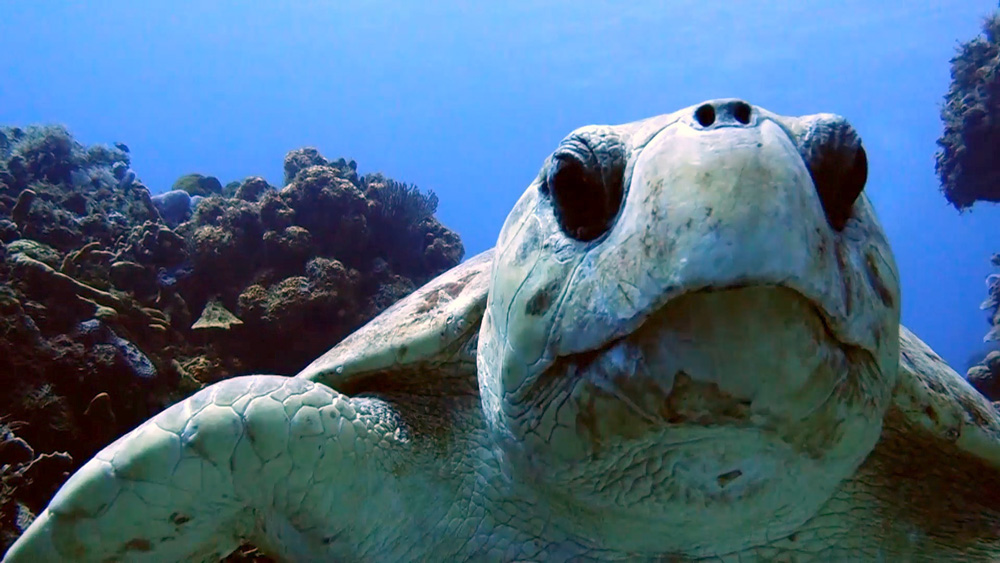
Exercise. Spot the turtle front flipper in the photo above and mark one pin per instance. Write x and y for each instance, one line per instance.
(234, 463)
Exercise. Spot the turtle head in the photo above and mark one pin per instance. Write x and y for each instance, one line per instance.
(692, 323)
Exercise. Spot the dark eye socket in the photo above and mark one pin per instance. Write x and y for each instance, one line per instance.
(837, 162)
(585, 186)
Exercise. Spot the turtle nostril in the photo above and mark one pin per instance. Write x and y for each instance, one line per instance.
(723, 113)
(741, 111)
(705, 115)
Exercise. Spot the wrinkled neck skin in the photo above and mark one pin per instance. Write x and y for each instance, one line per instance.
(476, 507)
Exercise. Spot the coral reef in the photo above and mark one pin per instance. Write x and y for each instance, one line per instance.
(985, 375)
(115, 303)
(968, 162)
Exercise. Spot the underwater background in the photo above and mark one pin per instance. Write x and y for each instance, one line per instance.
(426, 122)
(467, 99)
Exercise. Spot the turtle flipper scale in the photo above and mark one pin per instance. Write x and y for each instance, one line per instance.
(227, 465)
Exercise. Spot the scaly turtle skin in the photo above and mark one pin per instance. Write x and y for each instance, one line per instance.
(685, 346)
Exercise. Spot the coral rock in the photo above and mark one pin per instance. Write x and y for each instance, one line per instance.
(299, 159)
(130, 276)
(198, 185)
(215, 316)
(252, 188)
(174, 206)
(967, 162)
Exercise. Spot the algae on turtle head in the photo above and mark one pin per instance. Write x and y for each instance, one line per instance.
(685, 345)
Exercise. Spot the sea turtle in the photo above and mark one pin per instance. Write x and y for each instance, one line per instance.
(684, 346)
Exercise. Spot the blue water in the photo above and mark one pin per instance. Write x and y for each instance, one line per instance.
(468, 101)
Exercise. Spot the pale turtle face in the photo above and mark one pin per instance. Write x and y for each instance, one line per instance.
(692, 324)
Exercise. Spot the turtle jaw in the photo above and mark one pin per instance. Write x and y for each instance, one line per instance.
(728, 356)
(733, 407)
(761, 346)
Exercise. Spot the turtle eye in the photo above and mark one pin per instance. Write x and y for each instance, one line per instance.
(585, 185)
(839, 167)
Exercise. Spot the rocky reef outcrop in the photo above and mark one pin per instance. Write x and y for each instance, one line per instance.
(985, 375)
(968, 159)
(115, 303)
(968, 162)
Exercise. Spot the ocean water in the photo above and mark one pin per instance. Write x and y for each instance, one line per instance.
(468, 100)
